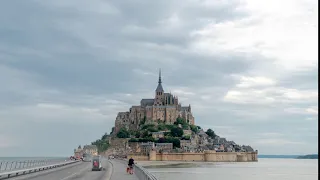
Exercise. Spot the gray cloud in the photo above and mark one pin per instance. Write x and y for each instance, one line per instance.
(77, 63)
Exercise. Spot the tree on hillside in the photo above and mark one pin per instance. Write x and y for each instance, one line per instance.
(161, 127)
(105, 136)
(123, 133)
(169, 126)
(137, 134)
(194, 128)
(146, 126)
(102, 144)
(133, 140)
(146, 134)
(152, 129)
(176, 132)
(143, 120)
(180, 120)
(211, 133)
(185, 126)
(112, 130)
(187, 137)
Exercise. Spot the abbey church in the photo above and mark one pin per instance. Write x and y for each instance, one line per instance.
(164, 107)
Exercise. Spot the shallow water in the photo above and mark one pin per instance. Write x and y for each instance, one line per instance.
(265, 169)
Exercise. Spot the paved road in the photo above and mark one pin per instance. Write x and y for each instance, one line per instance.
(119, 171)
(78, 171)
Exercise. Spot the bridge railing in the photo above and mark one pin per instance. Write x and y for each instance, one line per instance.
(141, 172)
(23, 164)
(40, 166)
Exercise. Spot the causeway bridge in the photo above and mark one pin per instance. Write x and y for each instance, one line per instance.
(114, 169)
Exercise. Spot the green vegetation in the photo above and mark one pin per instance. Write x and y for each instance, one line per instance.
(147, 139)
(102, 144)
(137, 134)
(187, 137)
(180, 121)
(173, 133)
(146, 126)
(211, 133)
(152, 129)
(162, 127)
(123, 133)
(173, 130)
(194, 128)
(143, 121)
(146, 134)
(184, 124)
(176, 132)
(169, 126)
(112, 130)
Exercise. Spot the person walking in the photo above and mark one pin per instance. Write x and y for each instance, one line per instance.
(130, 165)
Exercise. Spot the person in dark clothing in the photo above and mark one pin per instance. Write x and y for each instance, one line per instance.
(130, 165)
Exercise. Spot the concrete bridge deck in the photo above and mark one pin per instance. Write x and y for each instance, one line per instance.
(119, 171)
(113, 170)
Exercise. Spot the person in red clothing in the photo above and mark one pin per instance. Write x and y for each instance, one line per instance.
(95, 163)
(130, 165)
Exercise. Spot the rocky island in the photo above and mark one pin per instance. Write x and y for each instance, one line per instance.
(161, 129)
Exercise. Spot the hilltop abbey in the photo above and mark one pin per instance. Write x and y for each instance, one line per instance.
(164, 107)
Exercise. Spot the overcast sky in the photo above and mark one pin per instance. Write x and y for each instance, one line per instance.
(248, 68)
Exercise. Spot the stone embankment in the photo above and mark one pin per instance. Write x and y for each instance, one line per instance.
(206, 156)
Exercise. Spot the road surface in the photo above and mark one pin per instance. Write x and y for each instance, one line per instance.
(78, 171)
(119, 171)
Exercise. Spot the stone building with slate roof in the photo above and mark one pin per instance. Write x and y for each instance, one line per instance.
(90, 149)
(164, 107)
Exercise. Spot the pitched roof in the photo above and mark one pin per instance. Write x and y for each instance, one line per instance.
(159, 88)
(147, 102)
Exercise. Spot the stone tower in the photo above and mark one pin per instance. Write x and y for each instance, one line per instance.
(159, 93)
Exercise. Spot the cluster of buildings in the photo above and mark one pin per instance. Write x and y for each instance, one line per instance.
(164, 107)
(198, 142)
(87, 149)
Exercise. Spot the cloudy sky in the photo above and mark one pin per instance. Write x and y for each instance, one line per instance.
(248, 68)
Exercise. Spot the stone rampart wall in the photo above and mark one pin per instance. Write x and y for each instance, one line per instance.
(207, 156)
(138, 157)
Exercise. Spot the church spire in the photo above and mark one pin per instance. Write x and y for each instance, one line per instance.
(159, 77)
(159, 88)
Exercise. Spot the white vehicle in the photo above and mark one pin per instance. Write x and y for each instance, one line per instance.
(96, 163)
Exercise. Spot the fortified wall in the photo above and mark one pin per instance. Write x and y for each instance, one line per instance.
(206, 156)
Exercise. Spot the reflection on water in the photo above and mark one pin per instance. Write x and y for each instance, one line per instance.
(265, 169)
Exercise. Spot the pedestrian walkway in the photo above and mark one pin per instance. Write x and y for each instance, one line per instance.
(119, 171)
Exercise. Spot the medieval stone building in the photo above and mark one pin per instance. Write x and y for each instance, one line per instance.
(164, 107)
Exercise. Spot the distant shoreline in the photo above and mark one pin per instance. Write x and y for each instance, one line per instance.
(308, 156)
(287, 156)
(279, 156)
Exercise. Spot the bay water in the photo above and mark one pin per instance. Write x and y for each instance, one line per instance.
(264, 169)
